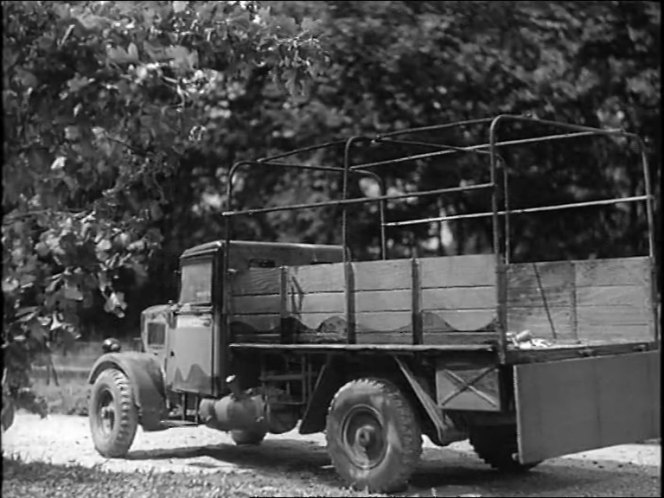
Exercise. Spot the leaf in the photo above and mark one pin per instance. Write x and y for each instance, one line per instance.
(73, 293)
(104, 245)
(27, 78)
(42, 249)
(9, 285)
(77, 83)
(58, 163)
(179, 6)
(132, 52)
(71, 133)
(38, 331)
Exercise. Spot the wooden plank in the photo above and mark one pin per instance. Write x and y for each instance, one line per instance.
(609, 272)
(615, 333)
(629, 295)
(253, 305)
(382, 275)
(532, 297)
(537, 321)
(382, 321)
(459, 271)
(612, 315)
(458, 320)
(256, 281)
(258, 323)
(316, 278)
(393, 337)
(323, 302)
(438, 338)
(322, 321)
(458, 298)
(394, 300)
(544, 274)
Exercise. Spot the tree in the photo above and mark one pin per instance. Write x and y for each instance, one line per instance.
(106, 103)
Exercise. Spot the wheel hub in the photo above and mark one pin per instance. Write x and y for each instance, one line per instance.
(364, 438)
(106, 413)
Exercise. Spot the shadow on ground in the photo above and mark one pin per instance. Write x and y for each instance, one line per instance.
(442, 472)
(271, 457)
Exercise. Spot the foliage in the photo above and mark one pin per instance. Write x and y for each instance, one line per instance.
(395, 65)
(123, 118)
(104, 103)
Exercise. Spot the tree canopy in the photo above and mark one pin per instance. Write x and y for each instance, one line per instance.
(122, 120)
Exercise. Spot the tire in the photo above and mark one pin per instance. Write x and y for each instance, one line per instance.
(113, 414)
(497, 446)
(373, 435)
(244, 437)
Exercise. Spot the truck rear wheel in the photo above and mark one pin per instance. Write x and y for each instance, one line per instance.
(497, 446)
(242, 437)
(373, 435)
(113, 415)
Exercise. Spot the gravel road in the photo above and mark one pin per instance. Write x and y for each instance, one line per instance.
(627, 470)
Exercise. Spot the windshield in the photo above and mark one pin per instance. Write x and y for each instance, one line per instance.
(196, 282)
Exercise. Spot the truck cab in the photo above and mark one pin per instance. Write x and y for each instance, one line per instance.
(189, 337)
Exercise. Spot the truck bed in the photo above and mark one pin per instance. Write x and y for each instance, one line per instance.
(570, 308)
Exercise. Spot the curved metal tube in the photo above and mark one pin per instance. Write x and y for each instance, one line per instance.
(381, 202)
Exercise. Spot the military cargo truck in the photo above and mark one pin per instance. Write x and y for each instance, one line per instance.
(528, 360)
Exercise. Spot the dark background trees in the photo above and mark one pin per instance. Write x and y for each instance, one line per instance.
(123, 118)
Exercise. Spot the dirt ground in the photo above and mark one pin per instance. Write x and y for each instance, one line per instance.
(627, 470)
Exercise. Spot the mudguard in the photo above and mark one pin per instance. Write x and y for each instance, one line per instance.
(145, 375)
(575, 405)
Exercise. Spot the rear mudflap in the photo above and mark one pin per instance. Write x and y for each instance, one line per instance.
(568, 406)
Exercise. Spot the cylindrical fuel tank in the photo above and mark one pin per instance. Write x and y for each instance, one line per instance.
(233, 413)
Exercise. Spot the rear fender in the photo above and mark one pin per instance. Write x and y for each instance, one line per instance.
(147, 381)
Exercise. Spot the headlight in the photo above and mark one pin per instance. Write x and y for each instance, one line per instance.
(110, 345)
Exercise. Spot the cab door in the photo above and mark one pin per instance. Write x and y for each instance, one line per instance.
(189, 357)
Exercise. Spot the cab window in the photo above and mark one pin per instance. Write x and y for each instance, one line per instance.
(196, 282)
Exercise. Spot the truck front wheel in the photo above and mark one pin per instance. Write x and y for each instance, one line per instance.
(373, 435)
(113, 414)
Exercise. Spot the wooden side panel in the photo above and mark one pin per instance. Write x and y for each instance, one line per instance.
(322, 302)
(569, 406)
(382, 275)
(389, 300)
(611, 272)
(540, 298)
(316, 278)
(256, 281)
(475, 270)
(458, 299)
(613, 299)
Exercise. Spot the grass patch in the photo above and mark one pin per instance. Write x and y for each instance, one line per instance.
(21, 479)
(69, 398)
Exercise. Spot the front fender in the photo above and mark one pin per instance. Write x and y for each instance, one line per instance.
(145, 375)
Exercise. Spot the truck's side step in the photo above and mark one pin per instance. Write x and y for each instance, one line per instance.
(282, 377)
(169, 424)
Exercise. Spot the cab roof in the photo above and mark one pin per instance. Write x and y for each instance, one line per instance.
(317, 252)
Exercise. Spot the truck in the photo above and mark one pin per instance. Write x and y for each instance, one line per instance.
(528, 360)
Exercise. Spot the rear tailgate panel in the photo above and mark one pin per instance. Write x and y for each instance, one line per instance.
(575, 405)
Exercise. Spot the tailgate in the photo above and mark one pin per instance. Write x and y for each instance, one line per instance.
(575, 405)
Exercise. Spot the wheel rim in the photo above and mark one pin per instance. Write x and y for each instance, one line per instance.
(363, 436)
(106, 412)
